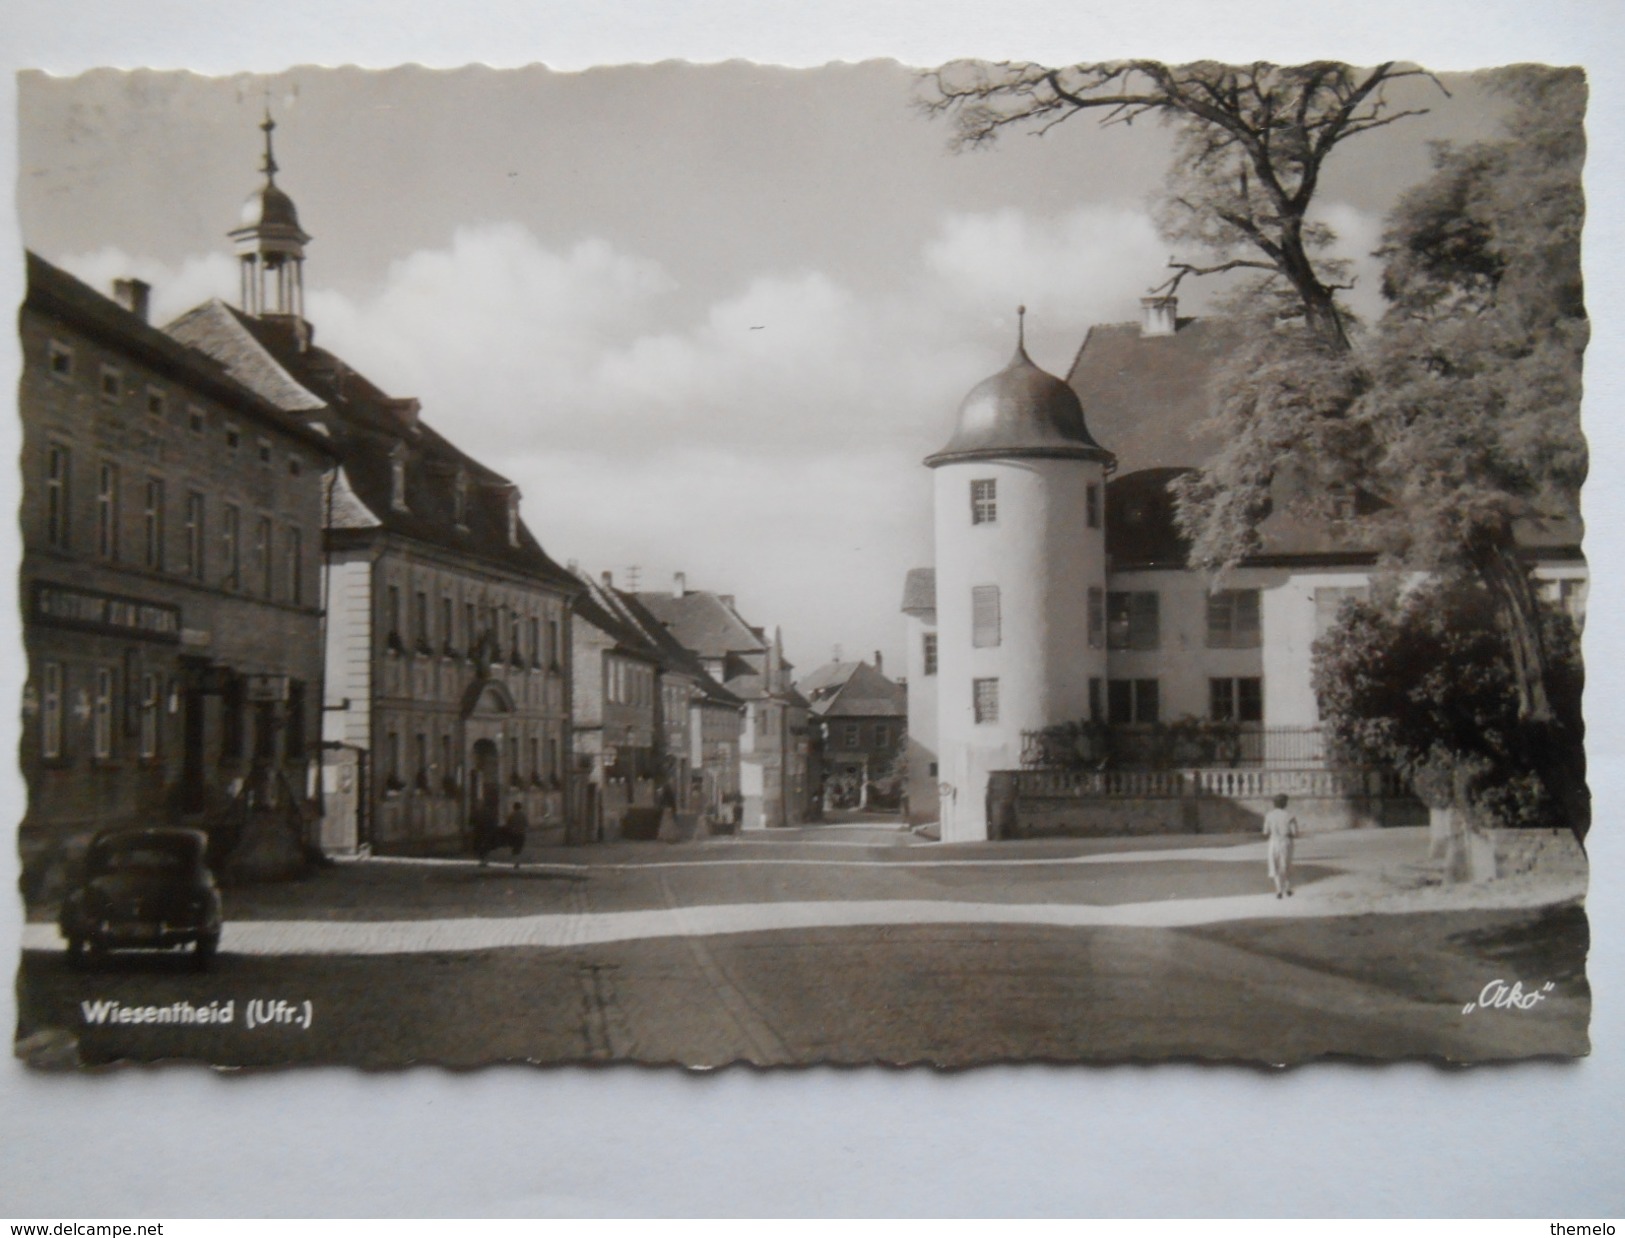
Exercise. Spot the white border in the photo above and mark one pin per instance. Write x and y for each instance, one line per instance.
(1535, 1140)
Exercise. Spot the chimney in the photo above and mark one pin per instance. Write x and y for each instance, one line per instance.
(608, 578)
(880, 665)
(679, 585)
(1159, 315)
(134, 295)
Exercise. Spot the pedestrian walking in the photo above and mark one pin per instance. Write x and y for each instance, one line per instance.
(1281, 827)
(513, 830)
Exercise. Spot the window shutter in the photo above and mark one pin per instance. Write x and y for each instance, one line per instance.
(984, 616)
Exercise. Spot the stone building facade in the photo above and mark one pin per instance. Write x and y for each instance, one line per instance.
(171, 524)
(448, 638)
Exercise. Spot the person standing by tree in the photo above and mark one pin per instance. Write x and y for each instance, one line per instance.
(1282, 828)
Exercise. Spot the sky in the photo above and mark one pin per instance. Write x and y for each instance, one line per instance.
(709, 318)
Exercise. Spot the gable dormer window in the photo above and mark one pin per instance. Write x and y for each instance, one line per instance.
(459, 499)
(397, 479)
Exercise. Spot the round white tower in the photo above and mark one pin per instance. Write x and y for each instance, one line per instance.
(1020, 543)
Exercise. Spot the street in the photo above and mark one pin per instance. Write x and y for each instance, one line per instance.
(853, 944)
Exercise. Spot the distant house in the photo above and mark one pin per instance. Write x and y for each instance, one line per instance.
(448, 626)
(920, 636)
(862, 717)
(775, 750)
(614, 714)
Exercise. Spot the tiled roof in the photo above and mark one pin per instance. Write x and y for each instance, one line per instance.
(368, 429)
(674, 655)
(854, 690)
(53, 291)
(1148, 398)
(704, 623)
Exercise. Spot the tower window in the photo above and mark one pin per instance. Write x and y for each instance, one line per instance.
(984, 501)
(984, 609)
(985, 699)
(1097, 618)
(1091, 505)
(928, 649)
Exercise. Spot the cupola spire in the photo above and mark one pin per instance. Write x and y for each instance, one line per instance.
(271, 244)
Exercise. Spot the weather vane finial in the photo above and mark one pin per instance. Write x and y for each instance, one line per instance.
(1021, 326)
(267, 125)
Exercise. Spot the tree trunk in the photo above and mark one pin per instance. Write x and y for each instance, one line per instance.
(1556, 754)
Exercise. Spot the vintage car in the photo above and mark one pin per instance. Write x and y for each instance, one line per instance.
(143, 889)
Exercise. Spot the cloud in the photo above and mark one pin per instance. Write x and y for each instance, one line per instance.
(768, 443)
(175, 289)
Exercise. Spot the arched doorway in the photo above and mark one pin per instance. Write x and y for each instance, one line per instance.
(484, 787)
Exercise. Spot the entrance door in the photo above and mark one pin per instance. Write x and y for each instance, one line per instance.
(485, 785)
(192, 708)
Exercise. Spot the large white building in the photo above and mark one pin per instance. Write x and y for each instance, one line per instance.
(1061, 592)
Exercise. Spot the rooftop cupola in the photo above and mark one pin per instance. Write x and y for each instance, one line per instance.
(271, 245)
(1020, 411)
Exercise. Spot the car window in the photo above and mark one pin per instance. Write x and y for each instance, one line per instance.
(137, 859)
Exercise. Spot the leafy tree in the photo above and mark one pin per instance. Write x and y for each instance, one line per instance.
(1422, 682)
(1457, 423)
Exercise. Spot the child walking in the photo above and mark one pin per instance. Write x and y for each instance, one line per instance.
(1282, 828)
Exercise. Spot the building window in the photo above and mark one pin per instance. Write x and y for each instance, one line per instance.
(262, 556)
(1097, 618)
(421, 744)
(853, 735)
(1236, 700)
(460, 500)
(150, 694)
(102, 715)
(156, 402)
(984, 616)
(58, 494)
(1132, 621)
(392, 763)
(984, 501)
(392, 616)
(882, 736)
(59, 360)
(928, 651)
(107, 511)
(294, 541)
(470, 628)
(1097, 709)
(1091, 505)
(1232, 619)
(1132, 701)
(448, 767)
(194, 535)
(985, 699)
(232, 730)
(50, 718)
(535, 760)
(446, 613)
(194, 419)
(231, 545)
(265, 450)
(397, 481)
(233, 438)
(294, 738)
(152, 524)
(420, 622)
(535, 641)
(1329, 601)
(553, 644)
(295, 466)
(112, 385)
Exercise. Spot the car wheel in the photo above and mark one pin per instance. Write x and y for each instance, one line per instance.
(204, 951)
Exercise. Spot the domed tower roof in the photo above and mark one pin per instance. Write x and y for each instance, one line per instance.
(269, 221)
(1020, 411)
